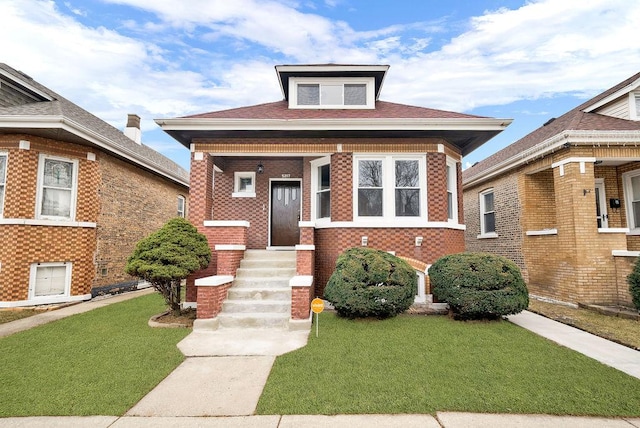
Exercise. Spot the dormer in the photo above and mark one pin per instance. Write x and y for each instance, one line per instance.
(331, 86)
(621, 101)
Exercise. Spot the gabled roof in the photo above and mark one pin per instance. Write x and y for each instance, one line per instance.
(581, 118)
(50, 115)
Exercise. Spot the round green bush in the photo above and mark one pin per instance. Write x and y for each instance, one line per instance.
(634, 284)
(479, 285)
(371, 283)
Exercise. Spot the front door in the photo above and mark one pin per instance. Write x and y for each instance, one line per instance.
(285, 213)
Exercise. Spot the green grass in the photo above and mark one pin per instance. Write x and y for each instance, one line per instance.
(418, 364)
(98, 363)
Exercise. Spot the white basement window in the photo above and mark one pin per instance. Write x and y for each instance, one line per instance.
(50, 280)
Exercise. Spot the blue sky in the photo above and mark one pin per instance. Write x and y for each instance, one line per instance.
(524, 60)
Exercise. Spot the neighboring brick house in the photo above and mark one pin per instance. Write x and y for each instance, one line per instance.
(359, 171)
(76, 195)
(563, 202)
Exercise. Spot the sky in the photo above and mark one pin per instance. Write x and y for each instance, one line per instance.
(524, 60)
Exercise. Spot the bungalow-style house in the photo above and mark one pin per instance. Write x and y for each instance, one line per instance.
(76, 195)
(563, 201)
(327, 168)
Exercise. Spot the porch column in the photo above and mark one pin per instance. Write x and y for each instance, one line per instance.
(200, 209)
(585, 264)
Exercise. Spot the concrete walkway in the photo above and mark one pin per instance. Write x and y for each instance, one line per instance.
(220, 382)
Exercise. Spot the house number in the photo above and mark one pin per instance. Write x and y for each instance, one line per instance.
(286, 175)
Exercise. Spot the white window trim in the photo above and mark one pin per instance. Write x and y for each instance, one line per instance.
(40, 192)
(50, 299)
(182, 213)
(634, 229)
(454, 167)
(599, 183)
(368, 81)
(4, 180)
(388, 191)
(315, 164)
(634, 114)
(237, 193)
(483, 233)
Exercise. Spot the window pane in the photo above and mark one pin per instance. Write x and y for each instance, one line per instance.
(407, 173)
(56, 202)
(355, 95)
(370, 173)
(489, 222)
(635, 187)
(308, 95)
(324, 177)
(246, 184)
(331, 95)
(370, 202)
(3, 169)
(408, 202)
(324, 205)
(488, 202)
(449, 205)
(637, 104)
(636, 214)
(50, 280)
(58, 173)
(1, 199)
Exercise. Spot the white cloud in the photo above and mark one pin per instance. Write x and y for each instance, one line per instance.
(179, 58)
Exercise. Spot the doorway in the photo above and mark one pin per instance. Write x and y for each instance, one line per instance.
(286, 204)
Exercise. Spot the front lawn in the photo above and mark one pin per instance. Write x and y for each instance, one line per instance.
(426, 364)
(101, 362)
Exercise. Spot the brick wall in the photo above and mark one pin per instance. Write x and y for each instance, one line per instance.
(133, 204)
(125, 202)
(255, 210)
(331, 242)
(507, 216)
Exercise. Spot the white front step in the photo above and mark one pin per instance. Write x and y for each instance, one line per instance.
(235, 320)
(256, 306)
(260, 296)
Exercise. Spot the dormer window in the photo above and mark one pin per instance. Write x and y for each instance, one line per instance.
(327, 93)
(635, 105)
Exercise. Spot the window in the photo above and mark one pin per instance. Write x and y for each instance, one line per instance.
(244, 184)
(3, 180)
(631, 182)
(389, 187)
(452, 191)
(50, 279)
(323, 192)
(634, 107)
(181, 206)
(331, 93)
(487, 213)
(57, 188)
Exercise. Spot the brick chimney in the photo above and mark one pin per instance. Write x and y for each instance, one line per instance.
(133, 128)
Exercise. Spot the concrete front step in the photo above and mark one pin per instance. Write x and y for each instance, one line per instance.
(262, 293)
(269, 255)
(265, 272)
(271, 320)
(256, 306)
(267, 263)
(265, 282)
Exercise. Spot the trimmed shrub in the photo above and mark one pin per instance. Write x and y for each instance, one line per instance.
(371, 283)
(479, 285)
(634, 284)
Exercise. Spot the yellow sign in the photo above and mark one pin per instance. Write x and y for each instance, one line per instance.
(317, 305)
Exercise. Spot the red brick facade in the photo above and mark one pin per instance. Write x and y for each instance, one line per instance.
(116, 205)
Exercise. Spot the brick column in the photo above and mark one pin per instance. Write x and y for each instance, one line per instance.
(200, 209)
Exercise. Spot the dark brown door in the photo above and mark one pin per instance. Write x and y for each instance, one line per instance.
(285, 213)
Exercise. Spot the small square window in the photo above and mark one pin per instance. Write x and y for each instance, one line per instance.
(244, 185)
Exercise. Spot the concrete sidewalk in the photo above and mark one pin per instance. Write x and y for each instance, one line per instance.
(52, 315)
(220, 382)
